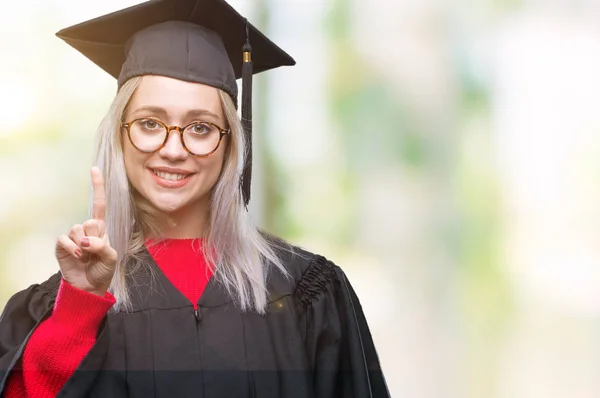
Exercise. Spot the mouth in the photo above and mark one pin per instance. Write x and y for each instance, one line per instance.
(170, 176)
(170, 179)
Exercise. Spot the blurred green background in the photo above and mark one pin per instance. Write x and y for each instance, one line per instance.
(444, 154)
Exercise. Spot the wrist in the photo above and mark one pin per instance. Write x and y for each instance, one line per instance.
(100, 293)
(78, 309)
(87, 288)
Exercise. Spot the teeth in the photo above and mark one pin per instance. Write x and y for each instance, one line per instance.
(169, 176)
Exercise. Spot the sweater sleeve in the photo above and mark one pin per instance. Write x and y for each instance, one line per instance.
(59, 344)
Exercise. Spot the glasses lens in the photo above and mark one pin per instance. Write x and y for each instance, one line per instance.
(201, 138)
(147, 134)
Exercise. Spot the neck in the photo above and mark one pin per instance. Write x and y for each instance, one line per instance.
(185, 224)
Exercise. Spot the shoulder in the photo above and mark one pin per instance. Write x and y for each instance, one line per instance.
(34, 301)
(50, 286)
(47, 289)
(308, 273)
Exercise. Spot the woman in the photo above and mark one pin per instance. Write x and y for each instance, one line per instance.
(168, 290)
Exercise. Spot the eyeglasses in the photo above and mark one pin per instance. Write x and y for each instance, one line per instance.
(150, 135)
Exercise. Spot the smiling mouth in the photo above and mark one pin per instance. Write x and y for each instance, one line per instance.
(170, 176)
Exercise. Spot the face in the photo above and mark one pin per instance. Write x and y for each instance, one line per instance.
(171, 179)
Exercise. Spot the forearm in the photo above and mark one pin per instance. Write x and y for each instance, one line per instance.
(60, 343)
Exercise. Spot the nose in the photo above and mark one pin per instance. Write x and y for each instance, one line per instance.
(173, 149)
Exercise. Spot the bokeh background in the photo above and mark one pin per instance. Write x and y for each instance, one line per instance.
(444, 153)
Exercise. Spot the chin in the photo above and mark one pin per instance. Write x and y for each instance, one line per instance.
(175, 204)
(168, 207)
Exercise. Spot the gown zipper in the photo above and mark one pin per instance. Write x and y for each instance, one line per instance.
(198, 316)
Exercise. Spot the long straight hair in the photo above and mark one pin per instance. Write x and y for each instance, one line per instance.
(240, 255)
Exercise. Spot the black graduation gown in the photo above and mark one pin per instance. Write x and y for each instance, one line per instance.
(313, 342)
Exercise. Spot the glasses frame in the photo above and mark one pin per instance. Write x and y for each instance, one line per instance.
(222, 132)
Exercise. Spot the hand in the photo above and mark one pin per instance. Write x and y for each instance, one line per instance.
(86, 259)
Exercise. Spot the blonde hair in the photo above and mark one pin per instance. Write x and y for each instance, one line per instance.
(240, 256)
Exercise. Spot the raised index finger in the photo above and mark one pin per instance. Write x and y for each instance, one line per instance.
(99, 198)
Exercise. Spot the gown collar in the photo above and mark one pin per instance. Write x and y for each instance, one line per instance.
(151, 289)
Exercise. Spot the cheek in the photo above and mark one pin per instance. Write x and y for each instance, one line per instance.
(128, 157)
(212, 170)
(213, 167)
(134, 161)
(220, 158)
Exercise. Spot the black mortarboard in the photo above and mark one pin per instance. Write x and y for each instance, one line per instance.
(203, 41)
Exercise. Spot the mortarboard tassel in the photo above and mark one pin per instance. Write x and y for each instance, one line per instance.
(247, 116)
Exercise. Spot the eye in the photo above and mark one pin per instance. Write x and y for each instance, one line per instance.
(149, 124)
(201, 128)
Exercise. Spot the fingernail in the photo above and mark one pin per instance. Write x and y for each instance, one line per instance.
(85, 242)
(78, 253)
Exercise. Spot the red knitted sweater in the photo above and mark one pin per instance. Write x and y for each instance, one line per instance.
(60, 343)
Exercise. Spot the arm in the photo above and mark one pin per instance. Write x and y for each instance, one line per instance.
(59, 343)
(21, 315)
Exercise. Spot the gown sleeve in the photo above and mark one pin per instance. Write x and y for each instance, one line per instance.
(59, 343)
(338, 341)
(23, 312)
(32, 320)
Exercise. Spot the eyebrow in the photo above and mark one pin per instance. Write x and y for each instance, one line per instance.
(163, 112)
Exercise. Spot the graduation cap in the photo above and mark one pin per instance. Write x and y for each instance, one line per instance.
(202, 41)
